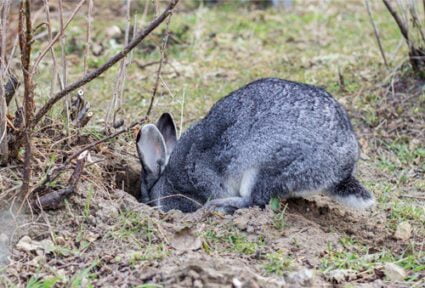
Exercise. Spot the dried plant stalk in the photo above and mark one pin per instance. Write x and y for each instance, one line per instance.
(52, 51)
(376, 32)
(4, 148)
(113, 60)
(25, 46)
(88, 35)
(118, 90)
(161, 62)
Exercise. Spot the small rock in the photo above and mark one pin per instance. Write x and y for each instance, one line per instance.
(4, 239)
(113, 32)
(185, 240)
(340, 275)
(236, 283)
(96, 49)
(241, 222)
(60, 240)
(303, 277)
(394, 272)
(197, 284)
(403, 231)
(107, 212)
(27, 244)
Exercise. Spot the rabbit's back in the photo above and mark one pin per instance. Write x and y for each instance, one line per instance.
(287, 135)
(270, 118)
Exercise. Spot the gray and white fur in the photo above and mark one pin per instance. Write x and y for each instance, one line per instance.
(270, 138)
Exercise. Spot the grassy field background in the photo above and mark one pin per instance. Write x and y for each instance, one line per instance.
(103, 238)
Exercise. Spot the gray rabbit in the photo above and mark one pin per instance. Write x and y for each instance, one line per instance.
(270, 138)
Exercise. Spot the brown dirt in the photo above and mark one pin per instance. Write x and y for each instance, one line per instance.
(89, 238)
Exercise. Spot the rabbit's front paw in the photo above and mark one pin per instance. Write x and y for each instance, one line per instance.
(226, 205)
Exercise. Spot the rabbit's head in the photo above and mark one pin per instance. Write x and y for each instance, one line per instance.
(154, 146)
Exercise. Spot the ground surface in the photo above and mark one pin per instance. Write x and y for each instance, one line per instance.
(103, 238)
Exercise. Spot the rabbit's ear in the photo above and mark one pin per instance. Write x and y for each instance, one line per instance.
(151, 149)
(167, 128)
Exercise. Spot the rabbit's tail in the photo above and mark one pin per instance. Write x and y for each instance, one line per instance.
(351, 193)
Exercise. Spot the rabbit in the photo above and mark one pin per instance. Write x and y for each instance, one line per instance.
(270, 138)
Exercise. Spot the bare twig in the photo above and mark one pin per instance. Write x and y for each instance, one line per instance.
(416, 49)
(54, 199)
(413, 197)
(4, 15)
(52, 51)
(376, 32)
(56, 38)
(161, 62)
(57, 171)
(96, 73)
(403, 28)
(4, 148)
(88, 35)
(63, 80)
(118, 91)
(25, 45)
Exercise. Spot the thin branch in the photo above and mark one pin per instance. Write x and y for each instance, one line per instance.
(161, 62)
(88, 35)
(25, 45)
(96, 73)
(118, 91)
(63, 80)
(60, 168)
(52, 51)
(376, 32)
(56, 38)
(54, 199)
(403, 29)
(4, 148)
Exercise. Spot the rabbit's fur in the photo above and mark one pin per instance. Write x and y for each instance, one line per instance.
(270, 138)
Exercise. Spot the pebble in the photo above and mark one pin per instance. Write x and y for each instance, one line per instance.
(394, 272)
(113, 32)
(403, 231)
(303, 277)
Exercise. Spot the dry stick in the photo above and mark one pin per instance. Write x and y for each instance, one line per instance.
(52, 51)
(4, 148)
(161, 62)
(53, 199)
(118, 90)
(415, 20)
(60, 168)
(5, 12)
(63, 79)
(88, 35)
(96, 73)
(401, 26)
(423, 6)
(56, 38)
(25, 45)
(376, 32)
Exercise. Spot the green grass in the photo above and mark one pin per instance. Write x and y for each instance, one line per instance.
(279, 217)
(136, 226)
(35, 282)
(223, 48)
(277, 263)
(355, 256)
(230, 241)
(149, 253)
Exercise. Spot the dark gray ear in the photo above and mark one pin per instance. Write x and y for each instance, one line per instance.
(167, 128)
(151, 149)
